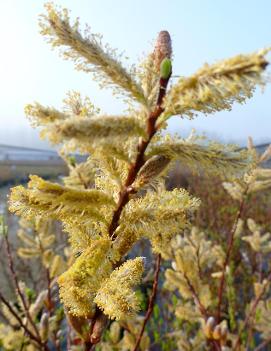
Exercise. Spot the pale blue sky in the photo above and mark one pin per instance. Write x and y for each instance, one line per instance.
(202, 31)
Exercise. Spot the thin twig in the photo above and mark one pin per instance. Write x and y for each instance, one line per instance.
(252, 312)
(259, 259)
(151, 301)
(50, 305)
(124, 195)
(201, 308)
(228, 253)
(23, 326)
(196, 298)
(17, 286)
(139, 162)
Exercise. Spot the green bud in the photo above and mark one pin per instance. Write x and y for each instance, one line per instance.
(165, 68)
(72, 161)
(30, 293)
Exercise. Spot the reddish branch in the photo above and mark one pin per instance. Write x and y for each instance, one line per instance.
(50, 304)
(139, 162)
(196, 298)
(251, 312)
(17, 286)
(228, 254)
(213, 343)
(132, 174)
(127, 189)
(23, 326)
(151, 301)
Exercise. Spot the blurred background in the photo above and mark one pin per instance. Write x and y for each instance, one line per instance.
(202, 31)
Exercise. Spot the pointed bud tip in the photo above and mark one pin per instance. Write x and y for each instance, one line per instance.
(163, 48)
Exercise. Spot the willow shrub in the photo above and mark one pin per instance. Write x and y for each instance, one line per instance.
(118, 196)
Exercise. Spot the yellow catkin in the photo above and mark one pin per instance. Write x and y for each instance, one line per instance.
(79, 284)
(116, 296)
(216, 87)
(88, 52)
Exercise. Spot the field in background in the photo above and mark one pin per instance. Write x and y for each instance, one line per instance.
(16, 163)
(19, 171)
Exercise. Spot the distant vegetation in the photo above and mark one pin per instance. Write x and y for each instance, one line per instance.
(17, 163)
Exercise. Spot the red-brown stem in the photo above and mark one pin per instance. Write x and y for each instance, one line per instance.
(133, 171)
(50, 305)
(17, 286)
(251, 312)
(151, 302)
(201, 308)
(23, 326)
(139, 161)
(196, 298)
(228, 254)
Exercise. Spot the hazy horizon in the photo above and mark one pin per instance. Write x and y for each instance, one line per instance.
(201, 33)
